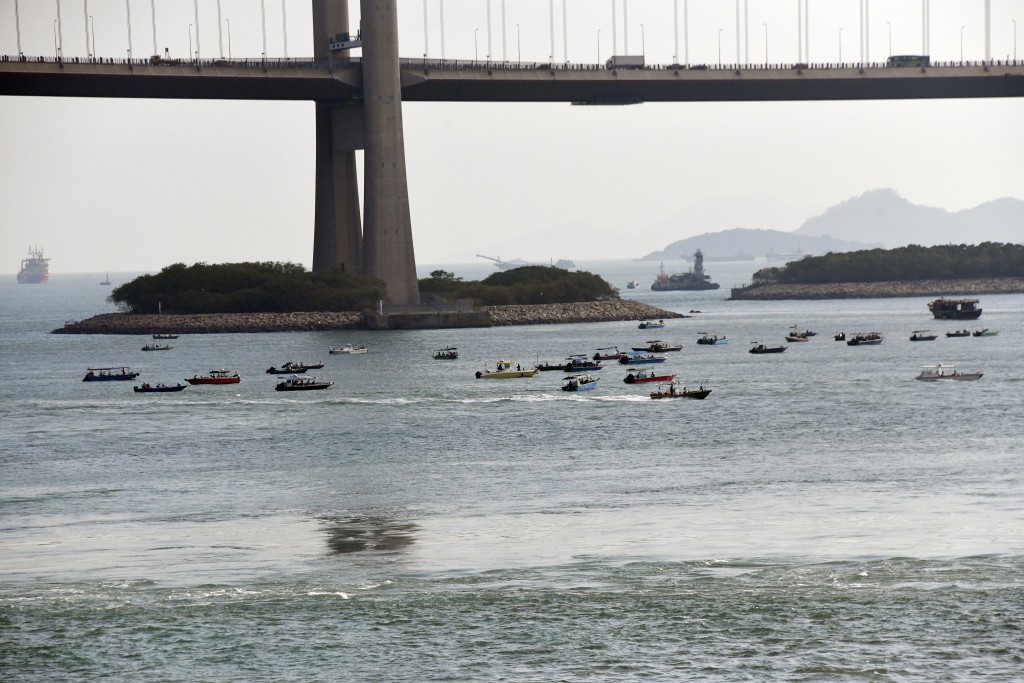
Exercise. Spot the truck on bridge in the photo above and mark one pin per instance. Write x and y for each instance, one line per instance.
(625, 62)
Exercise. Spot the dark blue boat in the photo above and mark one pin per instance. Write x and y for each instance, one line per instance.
(110, 375)
(158, 388)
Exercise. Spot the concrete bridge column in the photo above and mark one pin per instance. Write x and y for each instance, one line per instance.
(387, 243)
(337, 228)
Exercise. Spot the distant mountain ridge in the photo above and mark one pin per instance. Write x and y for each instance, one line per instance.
(883, 216)
(877, 218)
(745, 241)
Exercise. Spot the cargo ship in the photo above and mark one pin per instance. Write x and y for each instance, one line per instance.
(955, 309)
(692, 280)
(35, 269)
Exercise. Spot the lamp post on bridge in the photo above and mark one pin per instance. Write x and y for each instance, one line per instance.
(56, 50)
(1014, 39)
(17, 28)
(476, 52)
(766, 45)
(128, 12)
(599, 47)
(196, 3)
(643, 43)
(92, 29)
(719, 48)
(85, 6)
(840, 45)
(190, 41)
(228, 21)
(263, 25)
(889, 24)
(60, 33)
(962, 44)
(519, 44)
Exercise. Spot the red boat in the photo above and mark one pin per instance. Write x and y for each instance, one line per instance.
(216, 377)
(641, 376)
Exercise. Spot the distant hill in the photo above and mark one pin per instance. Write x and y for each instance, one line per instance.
(745, 241)
(884, 217)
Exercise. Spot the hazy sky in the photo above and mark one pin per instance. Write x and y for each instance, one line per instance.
(128, 185)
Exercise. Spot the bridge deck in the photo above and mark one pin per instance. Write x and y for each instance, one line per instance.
(456, 81)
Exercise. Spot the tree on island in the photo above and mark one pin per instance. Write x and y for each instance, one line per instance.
(266, 287)
(524, 285)
(946, 262)
(274, 287)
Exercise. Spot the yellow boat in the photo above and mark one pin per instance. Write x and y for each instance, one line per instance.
(505, 369)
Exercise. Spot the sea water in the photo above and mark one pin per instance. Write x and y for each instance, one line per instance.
(821, 516)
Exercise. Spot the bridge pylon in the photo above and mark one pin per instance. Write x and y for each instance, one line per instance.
(383, 248)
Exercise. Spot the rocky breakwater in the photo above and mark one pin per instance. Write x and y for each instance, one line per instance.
(878, 290)
(211, 323)
(583, 312)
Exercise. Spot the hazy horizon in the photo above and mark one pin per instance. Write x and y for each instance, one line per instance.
(100, 184)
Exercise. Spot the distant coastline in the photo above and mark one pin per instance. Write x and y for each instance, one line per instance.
(213, 323)
(879, 290)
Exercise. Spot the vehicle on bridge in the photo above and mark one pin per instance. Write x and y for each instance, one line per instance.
(909, 60)
(625, 62)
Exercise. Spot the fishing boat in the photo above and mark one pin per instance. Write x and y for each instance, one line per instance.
(505, 369)
(641, 376)
(215, 377)
(922, 335)
(549, 367)
(633, 284)
(797, 338)
(658, 346)
(347, 349)
(955, 309)
(802, 333)
(611, 353)
(165, 336)
(761, 348)
(158, 388)
(302, 384)
(934, 373)
(447, 353)
(581, 363)
(839, 336)
(288, 368)
(959, 333)
(157, 347)
(866, 339)
(106, 280)
(581, 382)
(640, 358)
(651, 324)
(35, 269)
(672, 390)
(115, 374)
(984, 332)
(709, 339)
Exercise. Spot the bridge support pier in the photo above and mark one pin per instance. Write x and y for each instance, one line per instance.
(384, 249)
(337, 230)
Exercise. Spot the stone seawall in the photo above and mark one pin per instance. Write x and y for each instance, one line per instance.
(584, 312)
(878, 290)
(212, 323)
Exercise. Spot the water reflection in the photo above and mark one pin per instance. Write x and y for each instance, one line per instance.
(359, 534)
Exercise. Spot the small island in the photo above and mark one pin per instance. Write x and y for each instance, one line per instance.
(988, 268)
(284, 297)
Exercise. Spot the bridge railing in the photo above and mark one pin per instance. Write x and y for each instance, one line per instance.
(476, 65)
